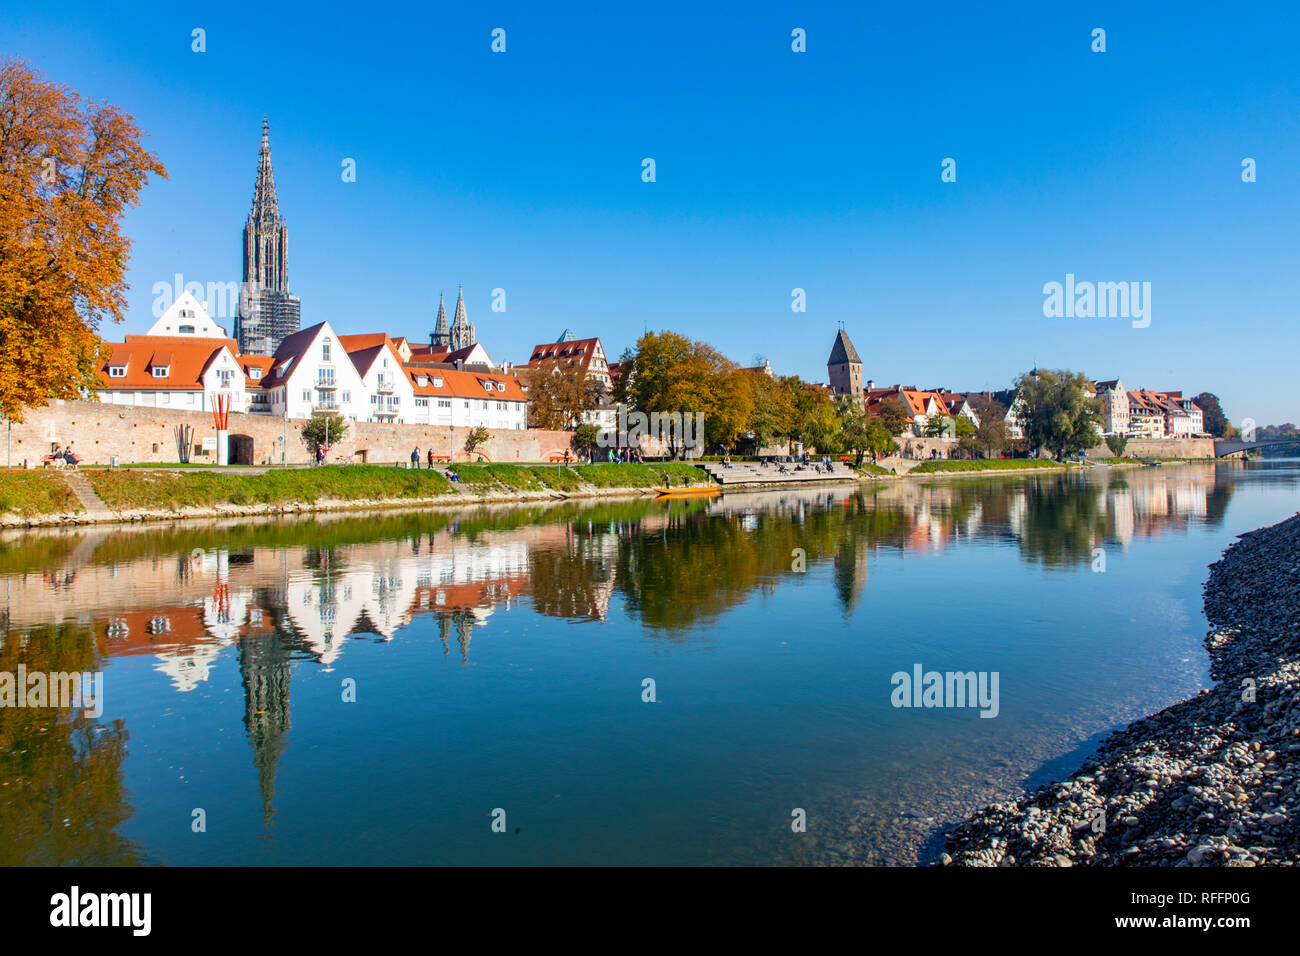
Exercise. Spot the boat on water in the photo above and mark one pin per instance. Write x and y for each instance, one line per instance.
(689, 492)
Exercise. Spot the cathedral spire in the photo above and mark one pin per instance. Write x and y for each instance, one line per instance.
(265, 206)
(462, 333)
(441, 337)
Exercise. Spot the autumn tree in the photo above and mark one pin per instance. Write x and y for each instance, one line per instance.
(68, 172)
(675, 375)
(557, 396)
(893, 414)
(992, 436)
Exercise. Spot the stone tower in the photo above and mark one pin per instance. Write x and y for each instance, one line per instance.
(844, 367)
(462, 332)
(440, 337)
(267, 312)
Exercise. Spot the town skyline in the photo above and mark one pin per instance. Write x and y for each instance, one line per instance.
(924, 274)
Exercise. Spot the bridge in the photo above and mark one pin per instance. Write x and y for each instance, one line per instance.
(1233, 446)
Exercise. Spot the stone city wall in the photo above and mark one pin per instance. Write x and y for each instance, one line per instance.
(99, 431)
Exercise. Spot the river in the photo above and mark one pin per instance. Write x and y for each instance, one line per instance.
(604, 682)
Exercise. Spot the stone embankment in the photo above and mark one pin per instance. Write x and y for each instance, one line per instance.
(1211, 781)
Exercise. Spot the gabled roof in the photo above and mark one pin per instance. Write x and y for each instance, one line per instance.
(464, 384)
(290, 351)
(186, 361)
(843, 351)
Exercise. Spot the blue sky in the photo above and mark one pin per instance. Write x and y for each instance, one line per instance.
(775, 171)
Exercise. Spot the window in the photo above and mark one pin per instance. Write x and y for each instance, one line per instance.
(421, 403)
(160, 371)
(325, 351)
(501, 386)
(421, 381)
(117, 371)
(255, 374)
(225, 377)
(437, 383)
(306, 396)
(444, 403)
(347, 397)
(186, 330)
(374, 399)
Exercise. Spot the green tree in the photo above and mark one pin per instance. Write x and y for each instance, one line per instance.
(1057, 413)
(1216, 423)
(478, 435)
(1116, 444)
(585, 437)
(324, 430)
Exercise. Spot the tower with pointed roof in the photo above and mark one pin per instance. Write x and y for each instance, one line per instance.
(462, 331)
(440, 337)
(844, 367)
(268, 313)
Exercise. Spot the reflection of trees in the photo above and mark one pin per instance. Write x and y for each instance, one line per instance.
(574, 580)
(1063, 522)
(62, 798)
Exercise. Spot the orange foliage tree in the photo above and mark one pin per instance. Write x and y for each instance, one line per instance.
(68, 172)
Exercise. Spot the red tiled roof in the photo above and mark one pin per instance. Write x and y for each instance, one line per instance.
(185, 359)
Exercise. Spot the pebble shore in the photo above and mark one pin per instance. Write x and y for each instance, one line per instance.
(1211, 781)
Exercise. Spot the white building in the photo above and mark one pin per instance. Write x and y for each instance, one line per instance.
(313, 372)
(187, 317)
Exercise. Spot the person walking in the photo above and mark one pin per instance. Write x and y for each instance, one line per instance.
(415, 457)
(430, 456)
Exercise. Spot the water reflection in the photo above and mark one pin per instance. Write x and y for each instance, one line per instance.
(276, 595)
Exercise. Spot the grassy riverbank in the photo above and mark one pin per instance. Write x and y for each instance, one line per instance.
(30, 493)
(946, 465)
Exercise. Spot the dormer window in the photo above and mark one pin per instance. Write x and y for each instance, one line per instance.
(437, 383)
(501, 386)
(255, 374)
(117, 371)
(160, 371)
(422, 380)
(487, 386)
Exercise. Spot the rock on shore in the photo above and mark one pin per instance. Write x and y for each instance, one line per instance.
(1211, 781)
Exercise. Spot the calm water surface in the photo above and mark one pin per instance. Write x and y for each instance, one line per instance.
(497, 659)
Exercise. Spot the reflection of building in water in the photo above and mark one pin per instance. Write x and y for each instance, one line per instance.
(264, 673)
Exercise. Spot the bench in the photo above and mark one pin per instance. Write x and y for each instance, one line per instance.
(440, 457)
(560, 458)
(50, 461)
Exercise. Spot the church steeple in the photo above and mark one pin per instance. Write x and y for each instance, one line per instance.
(267, 312)
(265, 207)
(462, 333)
(440, 337)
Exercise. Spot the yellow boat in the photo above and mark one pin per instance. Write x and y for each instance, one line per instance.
(689, 492)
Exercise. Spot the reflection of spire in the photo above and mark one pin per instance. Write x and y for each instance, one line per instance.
(264, 670)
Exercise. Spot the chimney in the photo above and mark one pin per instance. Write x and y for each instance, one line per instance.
(460, 364)
(871, 384)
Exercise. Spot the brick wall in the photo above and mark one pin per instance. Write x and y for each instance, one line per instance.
(99, 431)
